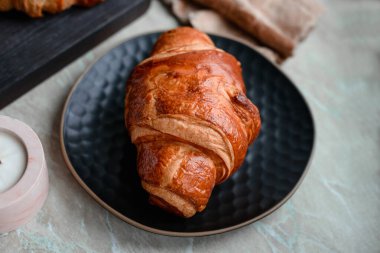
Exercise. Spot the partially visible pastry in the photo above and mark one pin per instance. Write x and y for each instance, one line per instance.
(36, 8)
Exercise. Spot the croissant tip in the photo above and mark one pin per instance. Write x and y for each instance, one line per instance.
(157, 201)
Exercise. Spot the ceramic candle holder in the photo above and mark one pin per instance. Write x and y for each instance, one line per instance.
(25, 198)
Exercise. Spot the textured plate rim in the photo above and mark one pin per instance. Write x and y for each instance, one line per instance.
(168, 232)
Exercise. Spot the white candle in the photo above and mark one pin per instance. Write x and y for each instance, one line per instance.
(13, 158)
(24, 181)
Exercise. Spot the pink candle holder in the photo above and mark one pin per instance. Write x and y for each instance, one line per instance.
(24, 199)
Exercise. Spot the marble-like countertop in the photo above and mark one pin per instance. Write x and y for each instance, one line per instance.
(336, 208)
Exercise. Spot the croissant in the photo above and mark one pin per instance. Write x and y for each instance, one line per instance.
(187, 112)
(35, 8)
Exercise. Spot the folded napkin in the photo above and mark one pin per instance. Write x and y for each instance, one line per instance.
(273, 27)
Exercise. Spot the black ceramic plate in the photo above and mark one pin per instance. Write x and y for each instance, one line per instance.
(101, 157)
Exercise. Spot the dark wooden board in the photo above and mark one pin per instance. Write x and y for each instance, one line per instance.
(33, 49)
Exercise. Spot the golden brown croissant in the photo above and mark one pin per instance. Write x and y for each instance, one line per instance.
(187, 113)
(35, 8)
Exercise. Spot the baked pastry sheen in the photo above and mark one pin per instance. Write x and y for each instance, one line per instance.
(35, 8)
(187, 112)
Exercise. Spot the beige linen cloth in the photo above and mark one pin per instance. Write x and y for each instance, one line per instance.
(273, 27)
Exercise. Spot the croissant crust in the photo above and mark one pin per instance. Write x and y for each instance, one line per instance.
(35, 8)
(188, 114)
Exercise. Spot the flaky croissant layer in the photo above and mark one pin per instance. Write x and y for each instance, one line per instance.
(35, 8)
(187, 112)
